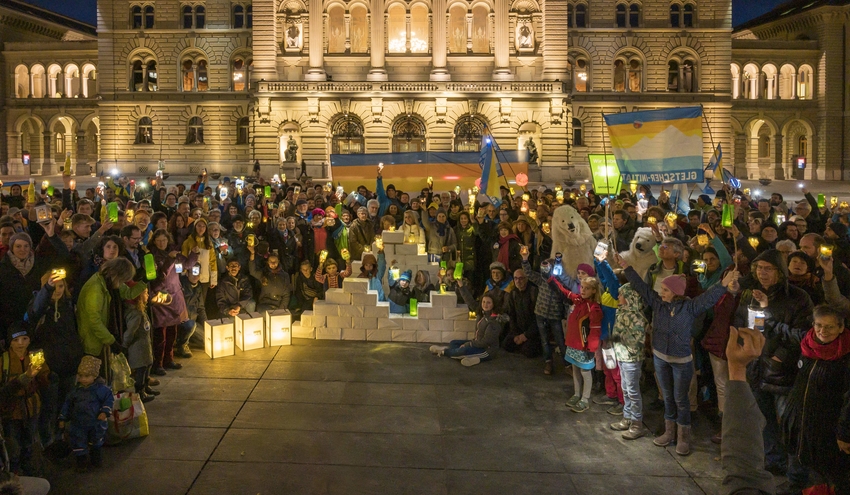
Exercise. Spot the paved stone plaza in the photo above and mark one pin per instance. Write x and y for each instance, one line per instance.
(324, 417)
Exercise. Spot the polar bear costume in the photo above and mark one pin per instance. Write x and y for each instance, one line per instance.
(641, 253)
(572, 237)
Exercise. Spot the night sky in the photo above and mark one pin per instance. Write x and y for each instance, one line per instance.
(84, 10)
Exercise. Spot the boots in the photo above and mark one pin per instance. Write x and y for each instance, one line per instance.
(669, 434)
(683, 442)
(636, 430)
(622, 425)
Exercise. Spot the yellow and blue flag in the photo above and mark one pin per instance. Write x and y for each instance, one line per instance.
(715, 164)
(658, 146)
(490, 169)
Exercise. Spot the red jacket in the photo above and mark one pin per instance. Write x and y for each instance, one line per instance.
(584, 326)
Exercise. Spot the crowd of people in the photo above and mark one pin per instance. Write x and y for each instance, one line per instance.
(135, 269)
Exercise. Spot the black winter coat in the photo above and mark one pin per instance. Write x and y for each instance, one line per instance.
(17, 290)
(57, 333)
(231, 291)
(275, 288)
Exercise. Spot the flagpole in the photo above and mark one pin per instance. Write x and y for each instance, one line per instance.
(495, 150)
(713, 147)
(607, 184)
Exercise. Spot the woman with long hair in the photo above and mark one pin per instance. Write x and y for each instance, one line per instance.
(199, 237)
(178, 228)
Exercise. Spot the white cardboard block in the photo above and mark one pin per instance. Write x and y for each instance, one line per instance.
(389, 249)
(456, 313)
(355, 285)
(324, 308)
(353, 334)
(450, 336)
(379, 335)
(328, 333)
(414, 324)
(441, 325)
(364, 323)
(302, 332)
(339, 321)
(461, 325)
(428, 337)
(351, 311)
(443, 300)
(364, 299)
(379, 311)
(337, 296)
(404, 335)
(396, 237)
(429, 313)
(406, 249)
(389, 323)
(355, 267)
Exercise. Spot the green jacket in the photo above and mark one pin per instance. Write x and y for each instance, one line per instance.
(93, 312)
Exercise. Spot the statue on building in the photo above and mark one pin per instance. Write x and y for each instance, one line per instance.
(532, 151)
(291, 153)
(293, 36)
(525, 36)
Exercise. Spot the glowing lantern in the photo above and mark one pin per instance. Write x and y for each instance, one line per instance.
(219, 338)
(249, 331)
(521, 180)
(278, 327)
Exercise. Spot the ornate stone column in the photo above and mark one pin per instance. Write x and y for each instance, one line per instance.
(376, 48)
(316, 72)
(502, 69)
(438, 47)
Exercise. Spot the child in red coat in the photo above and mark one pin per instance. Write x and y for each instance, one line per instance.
(584, 327)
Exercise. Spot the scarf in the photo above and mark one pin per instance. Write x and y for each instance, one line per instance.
(441, 229)
(504, 249)
(835, 350)
(24, 266)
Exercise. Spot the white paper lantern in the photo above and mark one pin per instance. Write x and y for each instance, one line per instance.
(278, 327)
(219, 338)
(249, 331)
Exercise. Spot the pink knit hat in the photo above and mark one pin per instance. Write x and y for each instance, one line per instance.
(676, 284)
(584, 267)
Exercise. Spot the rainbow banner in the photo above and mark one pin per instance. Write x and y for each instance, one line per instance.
(658, 146)
(409, 171)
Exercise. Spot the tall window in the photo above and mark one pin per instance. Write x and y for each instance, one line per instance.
(681, 75)
(138, 77)
(578, 138)
(628, 15)
(242, 131)
(457, 29)
(238, 16)
(580, 75)
(136, 17)
(628, 75)
(682, 15)
(764, 146)
(195, 131)
(675, 13)
(688, 15)
(347, 134)
(152, 77)
(144, 131)
(60, 143)
(581, 15)
(419, 28)
(397, 33)
(359, 29)
(194, 17)
(803, 146)
(621, 15)
(240, 74)
(480, 29)
(336, 29)
(468, 132)
(249, 16)
(408, 135)
(195, 76)
(634, 15)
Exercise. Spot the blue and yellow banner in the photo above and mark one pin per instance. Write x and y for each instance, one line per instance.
(658, 146)
(490, 169)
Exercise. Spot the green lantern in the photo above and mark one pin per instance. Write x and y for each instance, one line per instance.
(458, 270)
(728, 215)
(150, 267)
(821, 200)
(112, 212)
(414, 307)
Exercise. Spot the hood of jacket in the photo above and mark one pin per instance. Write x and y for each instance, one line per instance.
(774, 257)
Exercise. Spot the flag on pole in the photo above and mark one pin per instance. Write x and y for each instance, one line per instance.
(679, 197)
(715, 165)
(490, 169)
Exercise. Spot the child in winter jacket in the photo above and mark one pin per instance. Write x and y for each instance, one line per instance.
(488, 327)
(584, 326)
(608, 303)
(400, 292)
(86, 410)
(627, 337)
(137, 340)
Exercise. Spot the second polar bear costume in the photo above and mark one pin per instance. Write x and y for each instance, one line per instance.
(571, 237)
(641, 254)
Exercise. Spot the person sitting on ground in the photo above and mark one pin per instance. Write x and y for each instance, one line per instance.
(275, 287)
(233, 293)
(488, 327)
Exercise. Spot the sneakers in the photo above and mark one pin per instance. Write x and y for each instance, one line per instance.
(470, 361)
(622, 425)
(146, 397)
(183, 351)
(173, 366)
(547, 368)
(437, 349)
(151, 391)
(604, 400)
(581, 406)
(573, 401)
(636, 430)
(615, 410)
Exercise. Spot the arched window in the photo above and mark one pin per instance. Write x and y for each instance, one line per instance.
(570, 18)
(457, 29)
(480, 29)
(238, 16)
(242, 130)
(805, 83)
(751, 77)
(578, 137)
(764, 146)
(336, 29)
(634, 15)
(136, 17)
(675, 13)
(621, 15)
(681, 74)
(144, 131)
(38, 81)
(419, 28)
(60, 143)
(408, 135)
(72, 81)
(249, 16)
(468, 132)
(241, 73)
(396, 30)
(152, 77)
(628, 75)
(347, 134)
(688, 15)
(194, 69)
(195, 131)
(787, 82)
(803, 146)
(194, 17)
(359, 29)
(55, 83)
(149, 17)
(137, 82)
(769, 81)
(581, 74)
(22, 82)
(581, 15)
(736, 81)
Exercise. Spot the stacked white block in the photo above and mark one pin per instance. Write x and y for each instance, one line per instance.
(250, 329)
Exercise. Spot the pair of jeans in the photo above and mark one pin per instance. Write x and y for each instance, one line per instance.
(773, 406)
(674, 379)
(632, 400)
(141, 376)
(544, 326)
(163, 345)
(457, 352)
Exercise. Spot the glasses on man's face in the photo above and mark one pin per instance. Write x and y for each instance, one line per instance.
(136, 239)
(765, 267)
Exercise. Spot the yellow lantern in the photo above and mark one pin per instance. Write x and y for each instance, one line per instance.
(826, 251)
(651, 221)
(526, 197)
(420, 248)
(472, 315)
(702, 239)
(633, 187)
(379, 242)
(323, 255)
(278, 327)
(746, 191)
(44, 213)
(754, 242)
(582, 188)
(546, 228)
(392, 228)
(833, 201)
(411, 238)
(250, 331)
(219, 338)
(532, 214)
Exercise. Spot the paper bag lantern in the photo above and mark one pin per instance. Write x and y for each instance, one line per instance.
(219, 338)
(249, 331)
(278, 327)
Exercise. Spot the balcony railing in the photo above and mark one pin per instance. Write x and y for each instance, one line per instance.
(412, 87)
